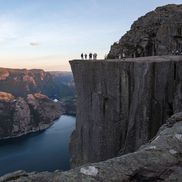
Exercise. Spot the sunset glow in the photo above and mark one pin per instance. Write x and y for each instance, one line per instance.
(47, 34)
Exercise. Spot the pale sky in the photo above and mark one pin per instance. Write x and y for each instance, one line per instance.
(47, 34)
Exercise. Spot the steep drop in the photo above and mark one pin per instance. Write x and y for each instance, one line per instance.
(122, 104)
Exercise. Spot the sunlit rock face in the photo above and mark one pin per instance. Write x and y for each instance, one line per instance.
(157, 33)
(21, 82)
(19, 116)
(122, 104)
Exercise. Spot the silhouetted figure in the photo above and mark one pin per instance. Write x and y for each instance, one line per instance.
(85, 56)
(177, 52)
(90, 56)
(82, 57)
(95, 56)
(119, 56)
(123, 55)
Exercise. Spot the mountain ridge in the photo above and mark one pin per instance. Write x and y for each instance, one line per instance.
(157, 33)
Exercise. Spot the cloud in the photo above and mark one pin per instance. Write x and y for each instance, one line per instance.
(34, 44)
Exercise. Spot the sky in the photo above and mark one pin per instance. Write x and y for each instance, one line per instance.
(46, 34)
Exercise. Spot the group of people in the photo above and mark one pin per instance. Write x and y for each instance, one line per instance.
(90, 56)
(122, 56)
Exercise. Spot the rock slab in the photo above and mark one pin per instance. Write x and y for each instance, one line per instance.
(122, 104)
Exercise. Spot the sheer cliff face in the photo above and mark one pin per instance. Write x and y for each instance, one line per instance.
(157, 33)
(19, 116)
(122, 104)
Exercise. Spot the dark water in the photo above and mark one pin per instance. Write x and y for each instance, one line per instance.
(43, 151)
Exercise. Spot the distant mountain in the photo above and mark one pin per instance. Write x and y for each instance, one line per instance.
(65, 82)
(21, 82)
(55, 85)
(66, 91)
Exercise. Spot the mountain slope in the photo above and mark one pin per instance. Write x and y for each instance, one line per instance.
(159, 32)
(19, 116)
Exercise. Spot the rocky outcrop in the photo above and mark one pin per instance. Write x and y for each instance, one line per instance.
(69, 106)
(19, 116)
(157, 33)
(160, 160)
(6, 96)
(122, 104)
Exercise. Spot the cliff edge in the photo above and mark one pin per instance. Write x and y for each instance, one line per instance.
(122, 103)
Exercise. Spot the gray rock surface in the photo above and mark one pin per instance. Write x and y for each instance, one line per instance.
(157, 33)
(122, 104)
(160, 160)
(19, 116)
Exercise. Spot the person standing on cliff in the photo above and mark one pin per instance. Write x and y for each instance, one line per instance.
(85, 56)
(95, 56)
(123, 55)
(82, 57)
(90, 56)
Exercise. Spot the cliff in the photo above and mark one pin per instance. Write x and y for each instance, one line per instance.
(158, 161)
(19, 116)
(122, 104)
(159, 32)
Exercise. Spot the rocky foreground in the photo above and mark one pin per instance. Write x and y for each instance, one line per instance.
(20, 116)
(160, 160)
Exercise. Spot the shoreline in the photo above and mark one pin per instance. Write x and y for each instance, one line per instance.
(42, 146)
(34, 130)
